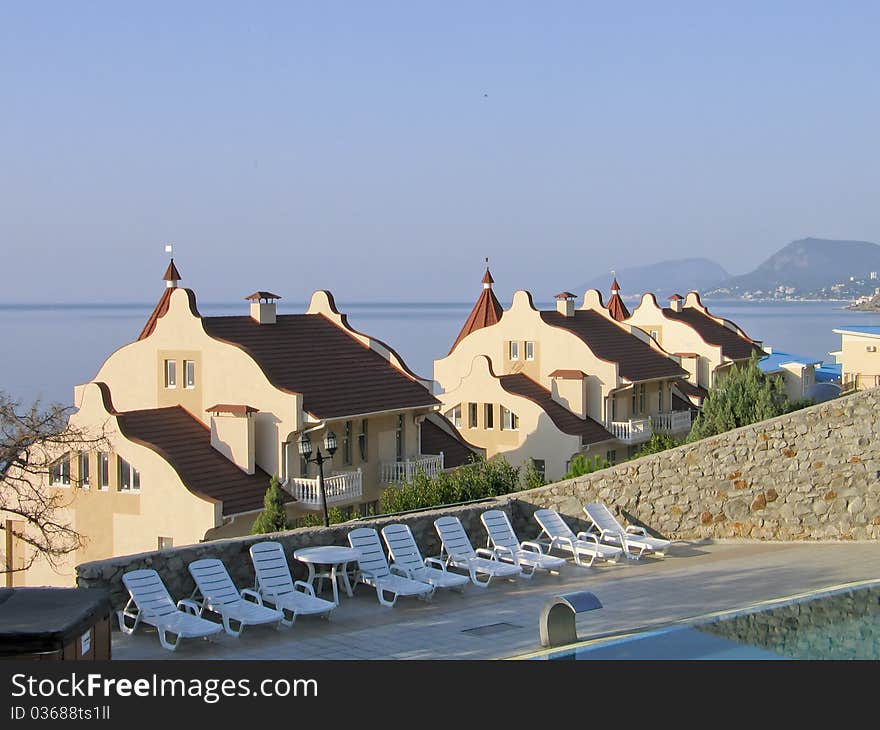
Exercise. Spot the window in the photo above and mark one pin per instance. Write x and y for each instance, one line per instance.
(59, 472)
(655, 335)
(638, 399)
(660, 400)
(368, 509)
(514, 350)
(346, 443)
(165, 543)
(489, 416)
(362, 440)
(540, 466)
(472, 415)
(611, 456)
(170, 373)
(530, 350)
(84, 476)
(189, 374)
(455, 416)
(642, 396)
(129, 477)
(303, 466)
(400, 436)
(509, 420)
(103, 470)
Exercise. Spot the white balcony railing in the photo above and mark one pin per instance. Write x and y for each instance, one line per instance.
(672, 422)
(342, 487)
(633, 431)
(401, 472)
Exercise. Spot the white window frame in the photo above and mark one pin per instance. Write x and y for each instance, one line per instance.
(509, 420)
(489, 416)
(134, 476)
(473, 414)
(530, 350)
(513, 349)
(59, 472)
(85, 474)
(170, 374)
(103, 470)
(456, 416)
(189, 366)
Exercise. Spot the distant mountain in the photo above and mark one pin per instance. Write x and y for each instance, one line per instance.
(810, 266)
(663, 279)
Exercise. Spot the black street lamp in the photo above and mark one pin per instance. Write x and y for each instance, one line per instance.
(305, 450)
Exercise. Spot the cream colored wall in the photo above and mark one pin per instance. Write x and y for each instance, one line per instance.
(857, 360)
(118, 523)
(570, 393)
(556, 349)
(675, 336)
(624, 410)
(225, 374)
(537, 436)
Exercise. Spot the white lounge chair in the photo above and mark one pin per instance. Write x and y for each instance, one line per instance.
(635, 540)
(216, 592)
(373, 570)
(528, 555)
(459, 553)
(403, 550)
(581, 546)
(276, 586)
(149, 602)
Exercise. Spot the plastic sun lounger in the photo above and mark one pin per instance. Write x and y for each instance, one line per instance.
(635, 540)
(528, 555)
(374, 570)
(405, 554)
(216, 592)
(580, 546)
(149, 602)
(277, 587)
(459, 553)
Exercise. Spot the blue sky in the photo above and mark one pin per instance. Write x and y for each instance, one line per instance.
(383, 149)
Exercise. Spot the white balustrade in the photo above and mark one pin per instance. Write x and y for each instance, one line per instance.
(672, 422)
(341, 487)
(401, 472)
(634, 430)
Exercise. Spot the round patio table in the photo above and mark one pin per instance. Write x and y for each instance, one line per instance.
(329, 561)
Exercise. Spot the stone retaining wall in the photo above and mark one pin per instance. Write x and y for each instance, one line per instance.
(808, 475)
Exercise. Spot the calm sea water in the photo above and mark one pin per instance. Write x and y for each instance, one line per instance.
(50, 348)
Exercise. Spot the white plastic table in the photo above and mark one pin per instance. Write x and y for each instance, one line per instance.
(334, 559)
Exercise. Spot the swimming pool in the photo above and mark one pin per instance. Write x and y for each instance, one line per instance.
(838, 623)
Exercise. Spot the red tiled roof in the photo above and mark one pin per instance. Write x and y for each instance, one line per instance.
(185, 443)
(589, 430)
(435, 438)
(616, 308)
(487, 277)
(160, 311)
(693, 392)
(686, 354)
(486, 312)
(676, 297)
(565, 295)
(732, 345)
(570, 374)
(171, 273)
(336, 374)
(257, 295)
(234, 409)
(637, 359)
(614, 285)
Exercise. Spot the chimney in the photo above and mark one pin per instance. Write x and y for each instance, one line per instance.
(232, 434)
(263, 306)
(565, 303)
(675, 302)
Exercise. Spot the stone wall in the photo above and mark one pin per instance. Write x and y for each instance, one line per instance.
(808, 475)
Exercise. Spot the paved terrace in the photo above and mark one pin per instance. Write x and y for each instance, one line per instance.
(694, 579)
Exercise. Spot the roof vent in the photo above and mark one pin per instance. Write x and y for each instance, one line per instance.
(263, 306)
(565, 303)
(675, 302)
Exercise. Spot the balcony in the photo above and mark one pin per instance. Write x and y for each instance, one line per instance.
(401, 472)
(671, 422)
(341, 488)
(633, 431)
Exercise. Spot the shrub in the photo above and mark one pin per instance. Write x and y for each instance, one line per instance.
(581, 465)
(273, 518)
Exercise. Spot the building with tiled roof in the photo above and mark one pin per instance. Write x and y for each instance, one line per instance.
(859, 356)
(548, 385)
(199, 413)
(486, 312)
(705, 345)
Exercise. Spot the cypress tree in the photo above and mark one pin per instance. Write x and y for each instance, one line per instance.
(273, 518)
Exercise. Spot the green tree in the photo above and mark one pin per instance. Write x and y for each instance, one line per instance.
(657, 443)
(581, 465)
(273, 518)
(744, 396)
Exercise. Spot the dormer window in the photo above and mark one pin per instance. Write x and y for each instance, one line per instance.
(170, 373)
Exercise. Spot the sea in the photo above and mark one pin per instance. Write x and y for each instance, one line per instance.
(50, 348)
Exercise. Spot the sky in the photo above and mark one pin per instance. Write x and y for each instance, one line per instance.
(382, 150)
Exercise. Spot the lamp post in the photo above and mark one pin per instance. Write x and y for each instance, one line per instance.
(305, 450)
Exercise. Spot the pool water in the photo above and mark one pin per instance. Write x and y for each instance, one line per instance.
(838, 624)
